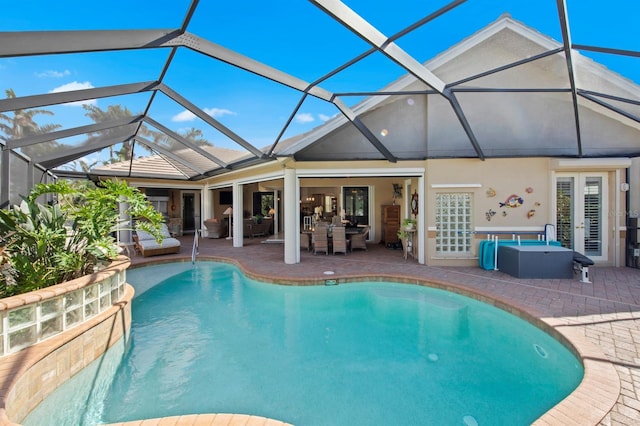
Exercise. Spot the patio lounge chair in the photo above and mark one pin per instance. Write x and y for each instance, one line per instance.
(148, 246)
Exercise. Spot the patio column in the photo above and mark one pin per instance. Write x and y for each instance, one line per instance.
(291, 217)
(237, 214)
(207, 209)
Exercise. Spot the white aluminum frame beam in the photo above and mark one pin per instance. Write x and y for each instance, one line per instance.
(156, 147)
(75, 131)
(566, 42)
(359, 26)
(185, 142)
(80, 151)
(34, 101)
(33, 43)
(209, 120)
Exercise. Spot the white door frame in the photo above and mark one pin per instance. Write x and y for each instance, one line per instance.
(578, 211)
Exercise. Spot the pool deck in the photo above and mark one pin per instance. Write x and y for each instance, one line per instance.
(601, 319)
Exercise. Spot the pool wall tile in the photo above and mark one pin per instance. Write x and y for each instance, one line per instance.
(31, 374)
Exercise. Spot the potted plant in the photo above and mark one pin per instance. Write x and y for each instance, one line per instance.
(404, 232)
(46, 244)
(409, 224)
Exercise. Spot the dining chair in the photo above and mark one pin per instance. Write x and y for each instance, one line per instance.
(340, 242)
(359, 241)
(305, 241)
(320, 240)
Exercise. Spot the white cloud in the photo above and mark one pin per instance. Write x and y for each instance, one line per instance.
(218, 112)
(187, 115)
(53, 74)
(324, 117)
(69, 87)
(304, 117)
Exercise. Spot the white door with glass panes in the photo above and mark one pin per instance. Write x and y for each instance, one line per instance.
(581, 213)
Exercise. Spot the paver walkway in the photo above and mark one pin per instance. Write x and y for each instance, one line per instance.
(607, 311)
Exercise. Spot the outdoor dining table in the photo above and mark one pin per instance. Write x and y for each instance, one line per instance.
(349, 230)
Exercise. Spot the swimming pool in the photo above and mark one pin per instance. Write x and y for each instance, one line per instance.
(207, 339)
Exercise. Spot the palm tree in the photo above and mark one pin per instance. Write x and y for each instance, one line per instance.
(23, 124)
(192, 135)
(81, 165)
(113, 112)
(125, 152)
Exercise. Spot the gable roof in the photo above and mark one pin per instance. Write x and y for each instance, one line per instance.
(514, 89)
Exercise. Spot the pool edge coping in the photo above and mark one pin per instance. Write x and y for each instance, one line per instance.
(588, 403)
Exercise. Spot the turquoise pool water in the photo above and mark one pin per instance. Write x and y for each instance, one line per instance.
(207, 339)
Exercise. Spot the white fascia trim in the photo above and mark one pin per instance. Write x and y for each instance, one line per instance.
(590, 163)
(485, 33)
(373, 172)
(249, 179)
(455, 185)
(169, 185)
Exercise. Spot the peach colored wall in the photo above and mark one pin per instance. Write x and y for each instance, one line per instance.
(505, 177)
(529, 179)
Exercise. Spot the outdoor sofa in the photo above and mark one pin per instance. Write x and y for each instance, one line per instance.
(257, 228)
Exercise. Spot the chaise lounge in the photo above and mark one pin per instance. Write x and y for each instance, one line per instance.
(147, 245)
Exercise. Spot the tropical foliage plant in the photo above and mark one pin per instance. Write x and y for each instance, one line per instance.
(46, 244)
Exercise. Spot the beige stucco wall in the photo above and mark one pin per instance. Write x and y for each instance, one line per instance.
(490, 183)
(531, 179)
(506, 177)
(634, 194)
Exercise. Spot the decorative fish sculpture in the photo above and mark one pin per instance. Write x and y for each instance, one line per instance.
(513, 201)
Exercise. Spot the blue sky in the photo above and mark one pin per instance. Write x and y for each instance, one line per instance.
(292, 35)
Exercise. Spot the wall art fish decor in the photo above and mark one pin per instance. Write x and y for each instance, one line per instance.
(513, 201)
(489, 214)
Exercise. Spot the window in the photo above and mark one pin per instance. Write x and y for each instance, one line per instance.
(263, 202)
(453, 223)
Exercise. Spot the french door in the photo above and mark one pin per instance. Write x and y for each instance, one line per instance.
(356, 204)
(581, 213)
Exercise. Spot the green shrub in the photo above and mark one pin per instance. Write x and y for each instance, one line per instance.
(44, 244)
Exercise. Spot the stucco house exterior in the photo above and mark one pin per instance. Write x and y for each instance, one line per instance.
(527, 152)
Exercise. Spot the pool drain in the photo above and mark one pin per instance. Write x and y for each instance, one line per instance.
(433, 357)
(540, 350)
